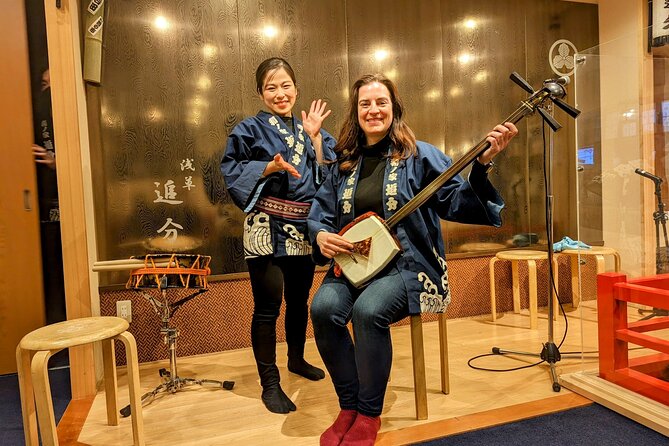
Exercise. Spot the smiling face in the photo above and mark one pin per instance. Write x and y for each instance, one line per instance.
(279, 92)
(375, 111)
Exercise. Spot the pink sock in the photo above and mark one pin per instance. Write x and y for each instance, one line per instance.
(363, 432)
(333, 435)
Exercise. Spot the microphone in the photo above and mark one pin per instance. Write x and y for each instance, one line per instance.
(556, 86)
(562, 80)
(648, 175)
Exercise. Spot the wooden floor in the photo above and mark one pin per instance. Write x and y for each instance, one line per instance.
(198, 416)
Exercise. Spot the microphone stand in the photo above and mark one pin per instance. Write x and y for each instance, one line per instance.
(661, 252)
(550, 352)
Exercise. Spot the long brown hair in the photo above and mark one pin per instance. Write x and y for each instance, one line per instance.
(352, 138)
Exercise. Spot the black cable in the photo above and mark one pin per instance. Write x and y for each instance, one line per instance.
(469, 363)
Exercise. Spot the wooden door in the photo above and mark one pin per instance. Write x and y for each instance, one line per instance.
(21, 293)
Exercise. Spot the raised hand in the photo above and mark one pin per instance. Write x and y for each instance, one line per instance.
(278, 164)
(314, 120)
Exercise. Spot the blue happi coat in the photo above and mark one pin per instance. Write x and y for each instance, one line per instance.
(422, 264)
(251, 145)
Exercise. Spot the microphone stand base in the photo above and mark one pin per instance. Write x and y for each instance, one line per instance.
(655, 312)
(550, 354)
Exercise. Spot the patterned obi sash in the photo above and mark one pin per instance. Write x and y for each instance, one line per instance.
(292, 210)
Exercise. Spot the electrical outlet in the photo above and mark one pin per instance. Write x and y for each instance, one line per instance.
(124, 309)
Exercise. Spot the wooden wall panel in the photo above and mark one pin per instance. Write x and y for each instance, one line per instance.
(403, 41)
(75, 202)
(177, 77)
(483, 44)
(311, 37)
(169, 96)
(549, 21)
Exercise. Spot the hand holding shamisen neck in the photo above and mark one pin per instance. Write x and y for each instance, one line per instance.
(499, 139)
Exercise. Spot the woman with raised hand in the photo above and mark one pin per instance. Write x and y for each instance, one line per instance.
(273, 165)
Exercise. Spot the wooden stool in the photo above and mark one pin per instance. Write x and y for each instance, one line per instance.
(418, 356)
(32, 357)
(529, 256)
(598, 252)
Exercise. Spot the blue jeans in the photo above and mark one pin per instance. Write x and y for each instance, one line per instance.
(359, 371)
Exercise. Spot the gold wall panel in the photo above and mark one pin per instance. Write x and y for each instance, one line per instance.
(547, 22)
(177, 77)
(403, 41)
(483, 44)
(311, 36)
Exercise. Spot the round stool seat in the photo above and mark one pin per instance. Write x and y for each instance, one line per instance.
(593, 251)
(74, 332)
(522, 254)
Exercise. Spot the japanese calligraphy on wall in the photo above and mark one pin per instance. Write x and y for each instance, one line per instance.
(167, 193)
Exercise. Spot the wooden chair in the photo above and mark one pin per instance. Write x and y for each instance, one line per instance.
(516, 256)
(32, 357)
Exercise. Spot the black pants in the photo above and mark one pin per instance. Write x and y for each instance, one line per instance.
(272, 279)
(52, 272)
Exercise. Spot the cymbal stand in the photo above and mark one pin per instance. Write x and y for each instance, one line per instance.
(172, 381)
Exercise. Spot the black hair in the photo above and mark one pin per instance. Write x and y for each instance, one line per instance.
(272, 64)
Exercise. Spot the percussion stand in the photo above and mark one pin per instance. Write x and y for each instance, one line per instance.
(173, 382)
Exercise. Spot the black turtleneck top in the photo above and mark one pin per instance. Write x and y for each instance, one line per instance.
(369, 192)
(288, 120)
